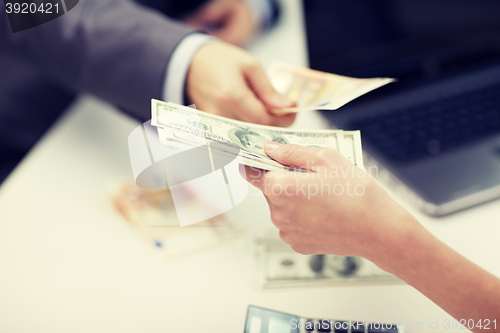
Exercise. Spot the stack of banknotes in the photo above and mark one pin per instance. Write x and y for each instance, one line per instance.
(185, 127)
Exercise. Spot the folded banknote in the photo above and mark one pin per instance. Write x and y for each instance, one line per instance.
(184, 127)
(314, 90)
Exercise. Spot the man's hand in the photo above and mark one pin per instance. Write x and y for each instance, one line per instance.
(228, 81)
(335, 209)
(232, 21)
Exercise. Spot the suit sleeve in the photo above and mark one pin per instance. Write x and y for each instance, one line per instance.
(114, 49)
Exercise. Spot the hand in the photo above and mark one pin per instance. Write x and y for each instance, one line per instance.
(335, 209)
(232, 21)
(228, 81)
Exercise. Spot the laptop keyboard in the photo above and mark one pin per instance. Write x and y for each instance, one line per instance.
(434, 127)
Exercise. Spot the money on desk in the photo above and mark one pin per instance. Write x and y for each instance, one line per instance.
(152, 213)
(275, 265)
(184, 127)
(314, 90)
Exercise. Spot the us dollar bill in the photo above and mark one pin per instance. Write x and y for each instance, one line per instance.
(276, 265)
(184, 127)
(351, 148)
(315, 90)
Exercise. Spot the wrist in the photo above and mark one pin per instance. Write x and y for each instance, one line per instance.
(179, 64)
(396, 248)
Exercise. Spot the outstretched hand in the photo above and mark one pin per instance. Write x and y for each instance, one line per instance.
(334, 209)
(228, 81)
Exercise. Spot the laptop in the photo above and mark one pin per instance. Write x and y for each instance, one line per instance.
(435, 133)
(262, 320)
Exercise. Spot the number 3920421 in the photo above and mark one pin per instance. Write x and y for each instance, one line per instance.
(32, 8)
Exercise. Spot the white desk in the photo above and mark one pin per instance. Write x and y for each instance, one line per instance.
(70, 264)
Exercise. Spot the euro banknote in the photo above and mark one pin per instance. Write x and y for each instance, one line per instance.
(314, 90)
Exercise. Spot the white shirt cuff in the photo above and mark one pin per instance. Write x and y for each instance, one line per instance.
(178, 66)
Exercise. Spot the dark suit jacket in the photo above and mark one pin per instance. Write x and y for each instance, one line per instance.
(115, 49)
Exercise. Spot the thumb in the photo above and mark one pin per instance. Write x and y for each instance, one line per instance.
(300, 156)
(260, 84)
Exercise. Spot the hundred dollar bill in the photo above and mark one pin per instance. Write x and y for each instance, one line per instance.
(276, 265)
(184, 127)
(315, 90)
(184, 142)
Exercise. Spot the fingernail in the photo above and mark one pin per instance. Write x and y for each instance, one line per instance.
(271, 145)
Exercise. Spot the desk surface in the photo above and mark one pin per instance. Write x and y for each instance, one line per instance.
(70, 263)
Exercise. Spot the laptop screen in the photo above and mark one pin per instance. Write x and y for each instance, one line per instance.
(406, 39)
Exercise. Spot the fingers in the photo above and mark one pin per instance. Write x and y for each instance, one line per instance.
(299, 156)
(273, 185)
(238, 26)
(268, 182)
(214, 12)
(260, 84)
(263, 89)
(250, 174)
(256, 177)
(217, 83)
(232, 21)
(242, 101)
(248, 107)
(284, 120)
(251, 109)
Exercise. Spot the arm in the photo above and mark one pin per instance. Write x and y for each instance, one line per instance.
(120, 51)
(114, 49)
(234, 21)
(362, 220)
(457, 285)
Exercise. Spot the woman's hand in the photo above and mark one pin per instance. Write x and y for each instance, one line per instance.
(335, 209)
